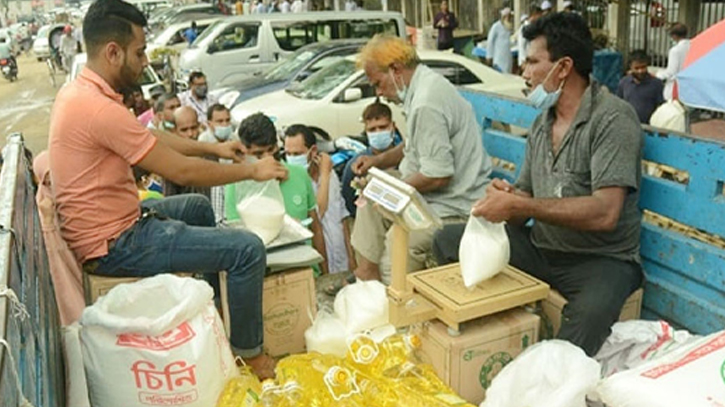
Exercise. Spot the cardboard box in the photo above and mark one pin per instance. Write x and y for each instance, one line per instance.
(289, 300)
(468, 363)
(553, 305)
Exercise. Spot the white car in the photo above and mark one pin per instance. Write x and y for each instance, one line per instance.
(172, 36)
(148, 80)
(41, 47)
(335, 97)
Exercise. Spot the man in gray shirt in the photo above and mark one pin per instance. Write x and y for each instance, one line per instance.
(442, 156)
(579, 182)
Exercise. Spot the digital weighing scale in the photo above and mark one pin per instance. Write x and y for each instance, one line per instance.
(439, 292)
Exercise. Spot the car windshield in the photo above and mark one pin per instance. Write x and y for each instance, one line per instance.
(285, 69)
(323, 82)
(204, 34)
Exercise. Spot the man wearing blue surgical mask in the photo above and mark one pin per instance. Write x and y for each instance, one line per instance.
(579, 182)
(382, 135)
(219, 130)
(198, 96)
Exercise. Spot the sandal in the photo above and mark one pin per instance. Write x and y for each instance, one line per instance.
(335, 288)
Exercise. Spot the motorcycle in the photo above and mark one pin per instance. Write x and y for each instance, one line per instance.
(9, 69)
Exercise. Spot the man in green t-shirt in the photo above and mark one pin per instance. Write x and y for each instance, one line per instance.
(259, 139)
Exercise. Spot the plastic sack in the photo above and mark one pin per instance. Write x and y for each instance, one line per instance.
(549, 374)
(158, 341)
(326, 335)
(484, 250)
(633, 343)
(76, 385)
(691, 376)
(362, 306)
(261, 208)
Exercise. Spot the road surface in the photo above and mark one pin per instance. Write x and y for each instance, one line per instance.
(25, 104)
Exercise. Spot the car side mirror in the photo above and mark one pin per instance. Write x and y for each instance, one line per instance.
(212, 48)
(352, 95)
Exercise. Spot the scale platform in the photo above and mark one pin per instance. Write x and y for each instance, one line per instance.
(455, 304)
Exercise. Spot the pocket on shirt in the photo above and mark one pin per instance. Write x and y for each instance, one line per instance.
(576, 182)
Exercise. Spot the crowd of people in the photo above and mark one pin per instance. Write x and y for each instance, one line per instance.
(579, 182)
(242, 7)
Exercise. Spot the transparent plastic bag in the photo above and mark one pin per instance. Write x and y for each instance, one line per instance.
(484, 250)
(261, 208)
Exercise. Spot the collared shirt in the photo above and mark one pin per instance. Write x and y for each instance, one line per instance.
(445, 34)
(331, 222)
(498, 47)
(94, 140)
(602, 148)
(645, 96)
(217, 193)
(284, 7)
(201, 106)
(444, 140)
(675, 63)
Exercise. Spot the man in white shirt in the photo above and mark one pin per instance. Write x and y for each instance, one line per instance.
(260, 8)
(284, 7)
(219, 131)
(675, 58)
(68, 47)
(534, 13)
(198, 96)
(350, 5)
(498, 43)
(298, 6)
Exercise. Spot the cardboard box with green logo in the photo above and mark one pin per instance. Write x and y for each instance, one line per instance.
(469, 362)
(289, 300)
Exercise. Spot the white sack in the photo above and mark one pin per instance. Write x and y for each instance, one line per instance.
(326, 335)
(548, 374)
(484, 250)
(690, 376)
(362, 306)
(158, 341)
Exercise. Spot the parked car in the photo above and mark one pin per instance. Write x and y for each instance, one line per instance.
(172, 36)
(148, 80)
(182, 14)
(41, 46)
(334, 98)
(238, 47)
(298, 67)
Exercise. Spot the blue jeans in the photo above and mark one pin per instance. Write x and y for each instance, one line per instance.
(182, 238)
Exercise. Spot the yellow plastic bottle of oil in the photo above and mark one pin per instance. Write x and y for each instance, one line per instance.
(421, 381)
(342, 387)
(242, 391)
(374, 359)
(270, 394)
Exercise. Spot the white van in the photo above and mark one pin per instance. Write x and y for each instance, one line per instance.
(238, 47)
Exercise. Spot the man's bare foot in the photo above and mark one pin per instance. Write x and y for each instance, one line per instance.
(262, 366)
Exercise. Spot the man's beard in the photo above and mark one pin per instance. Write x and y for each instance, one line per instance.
(128, 78)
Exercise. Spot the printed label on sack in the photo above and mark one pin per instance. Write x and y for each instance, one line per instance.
(176, 376)
(714, 345)
(169, 340)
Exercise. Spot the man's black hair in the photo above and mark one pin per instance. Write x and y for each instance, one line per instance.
(679, 30)
(639, 55)
(195, 75)
(257, 130)
(193, 25)
(110, 21)
(535, 10)
(307, 134)
(567, 35)
(161, 101)
(217, 107)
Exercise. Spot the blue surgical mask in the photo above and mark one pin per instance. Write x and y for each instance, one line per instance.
(223, 132)
(300, 160)
(541, 98)
(400, 92)
(380, 140)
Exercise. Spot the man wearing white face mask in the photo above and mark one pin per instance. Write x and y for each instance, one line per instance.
(300, 146)
(219, 131)
(442, 156)
(579, 182)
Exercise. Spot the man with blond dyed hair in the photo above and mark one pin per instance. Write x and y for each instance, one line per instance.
(442, 156)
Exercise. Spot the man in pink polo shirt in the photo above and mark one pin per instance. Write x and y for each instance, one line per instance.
(94, 141)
